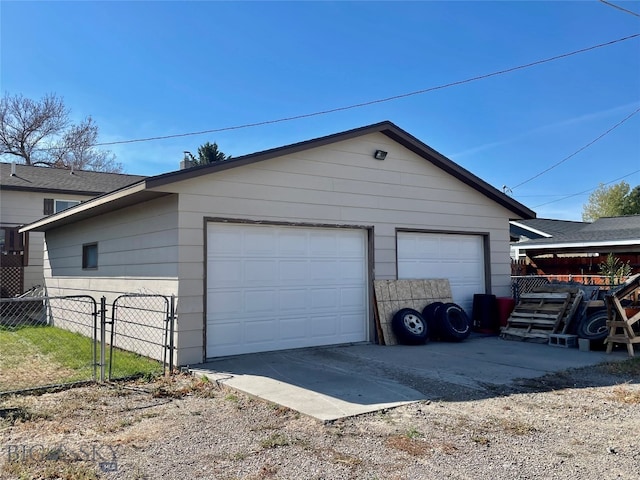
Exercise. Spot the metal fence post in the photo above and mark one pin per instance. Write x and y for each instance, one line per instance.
(103, 335)
(172, 320)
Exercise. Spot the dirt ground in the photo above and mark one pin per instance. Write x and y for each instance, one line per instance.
(581, 424)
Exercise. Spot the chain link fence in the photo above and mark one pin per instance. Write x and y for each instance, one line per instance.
(528, 283)
(52, 341)
(47, 341)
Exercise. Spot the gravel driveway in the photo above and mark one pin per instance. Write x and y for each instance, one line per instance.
(577, 424)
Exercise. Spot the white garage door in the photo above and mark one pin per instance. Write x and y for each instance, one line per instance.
(460, 258)
(274, 287)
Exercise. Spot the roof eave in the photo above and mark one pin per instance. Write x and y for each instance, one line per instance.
(63, 191)
(574, 245)
(123, 197)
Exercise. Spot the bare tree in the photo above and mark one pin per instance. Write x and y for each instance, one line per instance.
(76, 149)
(40, 133)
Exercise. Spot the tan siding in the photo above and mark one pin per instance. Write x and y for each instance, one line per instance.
(21, 208)
(139, 241)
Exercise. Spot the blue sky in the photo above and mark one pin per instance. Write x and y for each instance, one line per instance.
(144, 69)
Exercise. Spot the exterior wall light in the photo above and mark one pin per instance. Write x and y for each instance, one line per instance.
(380, 155)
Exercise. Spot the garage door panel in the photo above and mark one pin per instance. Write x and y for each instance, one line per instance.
(293, 271)
(260, 331)
(259, 243)
(324, 270)
(324, 298)
(292, 244)
(323, 245)
(293, 300)
(351, 270)
(300, 287)
(225, 302)
(259, 300)
(225, 273)
(259, 272)
(352, 297)
(324, 325)
(226, 242)
(351, 324)
(225, 333)
(293, 328)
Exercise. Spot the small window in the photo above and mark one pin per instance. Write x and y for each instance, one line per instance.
(61, 205)
(90, 256)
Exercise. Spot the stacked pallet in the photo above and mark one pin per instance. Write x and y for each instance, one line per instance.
(545, 312)
(619, 323)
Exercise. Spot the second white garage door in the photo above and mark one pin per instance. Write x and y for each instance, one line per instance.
(460, 258)
(275, 287)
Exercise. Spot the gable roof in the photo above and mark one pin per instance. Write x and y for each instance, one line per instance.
(59, 180)
(604, 232)
(548, 227)
(151, 187)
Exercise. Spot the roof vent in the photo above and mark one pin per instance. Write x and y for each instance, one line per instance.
(13, 169)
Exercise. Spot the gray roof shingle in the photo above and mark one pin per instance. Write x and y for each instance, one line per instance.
(45, 179)
(606, 229)
(553, 227)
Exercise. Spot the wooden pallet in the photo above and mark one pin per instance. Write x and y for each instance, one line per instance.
(619, 324)
(537, 315)
(577, 295)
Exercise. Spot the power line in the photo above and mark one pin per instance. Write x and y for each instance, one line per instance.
(587, 191)
(584, 147)
(620, 8)
(371, 102)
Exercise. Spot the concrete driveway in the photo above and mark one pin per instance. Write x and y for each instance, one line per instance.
(335, 382)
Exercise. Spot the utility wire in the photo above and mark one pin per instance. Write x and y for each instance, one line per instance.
(620, 8)
(584, 147)
(587, 191)
(372, 102)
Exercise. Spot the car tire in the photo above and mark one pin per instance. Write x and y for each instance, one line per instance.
(594, 328)
(430, 314)
(453, 323)
(410, 327)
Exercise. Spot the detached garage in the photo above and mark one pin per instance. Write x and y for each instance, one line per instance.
(279, 249)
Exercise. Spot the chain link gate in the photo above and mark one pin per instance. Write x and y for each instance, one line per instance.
(143, 324)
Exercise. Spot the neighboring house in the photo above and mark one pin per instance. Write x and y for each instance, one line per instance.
(279, 249)
(534, 228)
(29, 193)
(556, 247)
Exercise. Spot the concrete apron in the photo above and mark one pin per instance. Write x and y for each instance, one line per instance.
(334, 382)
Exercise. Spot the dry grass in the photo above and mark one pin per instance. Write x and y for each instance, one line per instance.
(38, 371)
(624, 394)
(412, 446)
(516, 427)
(50, 469)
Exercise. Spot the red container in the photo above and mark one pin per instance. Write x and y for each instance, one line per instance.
(505, 307)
